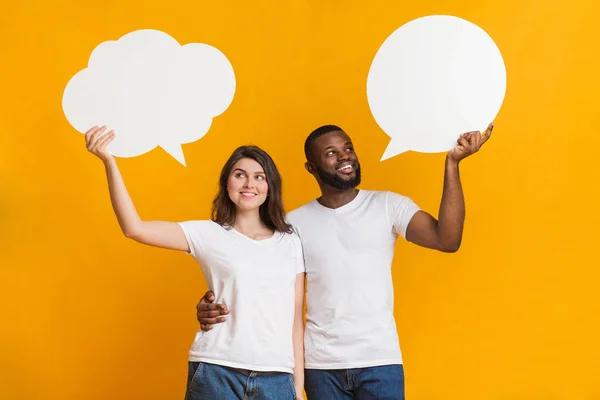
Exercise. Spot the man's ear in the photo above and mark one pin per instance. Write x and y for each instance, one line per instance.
(310, 167)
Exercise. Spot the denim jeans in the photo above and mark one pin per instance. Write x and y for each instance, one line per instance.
(212, 382)
(374, 383)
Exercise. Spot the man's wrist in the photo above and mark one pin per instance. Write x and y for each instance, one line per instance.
(452, 163)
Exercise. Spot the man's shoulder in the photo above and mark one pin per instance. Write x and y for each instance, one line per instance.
(374, 193)
(380, 200)
(384, 194)
(303, 215)
(377, 195)
(306, 208)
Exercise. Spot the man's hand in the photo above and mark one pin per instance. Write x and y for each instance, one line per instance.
(209, 314)
(469, 143)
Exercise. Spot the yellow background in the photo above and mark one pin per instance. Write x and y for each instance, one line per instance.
(87, 314)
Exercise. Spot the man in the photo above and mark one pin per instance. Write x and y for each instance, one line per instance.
(348, 236)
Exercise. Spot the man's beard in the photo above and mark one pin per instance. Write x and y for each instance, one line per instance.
(338, 183)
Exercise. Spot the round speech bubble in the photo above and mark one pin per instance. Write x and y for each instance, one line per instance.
(152, 91)
(433, 79)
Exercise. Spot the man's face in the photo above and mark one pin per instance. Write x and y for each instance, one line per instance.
(335, 162)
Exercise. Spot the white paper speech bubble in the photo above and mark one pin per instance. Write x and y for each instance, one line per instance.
(152, 91)
(433, 79)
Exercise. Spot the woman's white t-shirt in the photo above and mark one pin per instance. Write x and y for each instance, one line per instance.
(255, 279)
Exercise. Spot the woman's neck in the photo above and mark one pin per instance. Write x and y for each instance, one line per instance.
(250, 224)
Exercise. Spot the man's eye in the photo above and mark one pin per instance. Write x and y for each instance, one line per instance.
(350, 150)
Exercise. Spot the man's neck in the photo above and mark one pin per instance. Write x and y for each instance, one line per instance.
(335, 198)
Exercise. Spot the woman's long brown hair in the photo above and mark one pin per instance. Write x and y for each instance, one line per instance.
(271, 212)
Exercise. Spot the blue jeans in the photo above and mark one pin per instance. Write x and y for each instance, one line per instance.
(211, 382)
(373, 383)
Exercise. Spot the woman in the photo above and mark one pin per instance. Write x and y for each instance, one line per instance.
(252, 261)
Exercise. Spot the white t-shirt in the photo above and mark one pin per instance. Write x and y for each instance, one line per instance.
(256, 280)
(348, 255)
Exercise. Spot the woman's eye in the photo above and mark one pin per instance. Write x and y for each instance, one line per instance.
(260, 177)
(239, 175)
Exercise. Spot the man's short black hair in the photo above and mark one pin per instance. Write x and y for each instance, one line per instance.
(317, 133)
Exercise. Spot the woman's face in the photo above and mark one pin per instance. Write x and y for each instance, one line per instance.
(247, 185)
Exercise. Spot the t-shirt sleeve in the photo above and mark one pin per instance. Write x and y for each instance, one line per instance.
(400, 210)
(298, 254)
(193, 234)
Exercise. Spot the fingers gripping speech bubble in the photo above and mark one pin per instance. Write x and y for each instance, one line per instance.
(433, 79)
(152, 91)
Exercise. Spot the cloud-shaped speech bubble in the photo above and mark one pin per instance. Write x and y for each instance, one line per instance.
(433, 79)
(152, 91)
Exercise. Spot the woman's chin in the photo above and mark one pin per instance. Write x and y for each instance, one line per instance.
(248, 204)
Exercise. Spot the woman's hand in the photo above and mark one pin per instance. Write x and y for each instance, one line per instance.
(96, 143)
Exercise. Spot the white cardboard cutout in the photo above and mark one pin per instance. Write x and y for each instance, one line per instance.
(433, 79)
(152, 91)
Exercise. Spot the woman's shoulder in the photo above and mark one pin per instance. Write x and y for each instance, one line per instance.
(292, 237)
(201, 225)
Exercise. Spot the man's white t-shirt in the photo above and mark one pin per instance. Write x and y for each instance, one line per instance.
(256, 280)
(348, 255)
